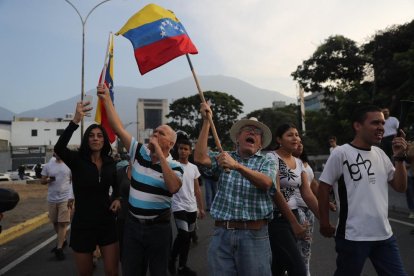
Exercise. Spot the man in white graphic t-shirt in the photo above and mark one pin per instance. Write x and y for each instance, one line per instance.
(360, 172)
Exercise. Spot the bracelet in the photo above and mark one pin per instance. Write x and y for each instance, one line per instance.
(400, 158)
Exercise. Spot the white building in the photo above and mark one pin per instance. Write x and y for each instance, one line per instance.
(5, 133)
(278, 104)
(314, 101)
(32, 139)
(42, 132)
(151, 113)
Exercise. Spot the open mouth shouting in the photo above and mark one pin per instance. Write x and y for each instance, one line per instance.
(250, 140)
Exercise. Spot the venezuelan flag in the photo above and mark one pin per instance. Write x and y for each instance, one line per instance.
(100, 115)
(157, 37)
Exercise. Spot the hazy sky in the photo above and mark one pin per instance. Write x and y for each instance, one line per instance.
(258, 41)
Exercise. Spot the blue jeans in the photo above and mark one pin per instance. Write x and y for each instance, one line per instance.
(285, 251)
(239, 252)
(146, 246)
(211, 188)
(384, 255)
(410, 193)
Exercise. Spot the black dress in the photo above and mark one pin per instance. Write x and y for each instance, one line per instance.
(93, 222)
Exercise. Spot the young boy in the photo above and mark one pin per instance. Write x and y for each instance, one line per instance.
(184, 207)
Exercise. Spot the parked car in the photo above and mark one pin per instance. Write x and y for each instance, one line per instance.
(30, 170)
(5, 177)
(14, 175)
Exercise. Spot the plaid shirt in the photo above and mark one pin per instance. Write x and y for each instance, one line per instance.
(237, 198)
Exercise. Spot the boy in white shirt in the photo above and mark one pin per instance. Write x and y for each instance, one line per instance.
(184, 207)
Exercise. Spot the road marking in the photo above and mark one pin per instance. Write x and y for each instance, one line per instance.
(23, 228)
(401, 222)
(27, 255)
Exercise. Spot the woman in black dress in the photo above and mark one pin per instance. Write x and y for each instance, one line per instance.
(93, 173)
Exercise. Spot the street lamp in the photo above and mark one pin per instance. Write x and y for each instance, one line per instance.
(83, 48)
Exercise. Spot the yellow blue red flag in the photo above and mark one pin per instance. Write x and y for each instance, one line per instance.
(157, 37)
(100, 115)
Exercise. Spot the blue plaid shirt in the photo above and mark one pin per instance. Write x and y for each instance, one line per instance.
(237, 198)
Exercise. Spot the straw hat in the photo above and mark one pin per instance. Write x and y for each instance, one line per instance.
(252, 121)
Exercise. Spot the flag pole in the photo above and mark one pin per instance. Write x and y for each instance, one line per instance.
(210, 119)
(106, 59)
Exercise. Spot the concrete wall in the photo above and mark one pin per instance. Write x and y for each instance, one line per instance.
(5, 161)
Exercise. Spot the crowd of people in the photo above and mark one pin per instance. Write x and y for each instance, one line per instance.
(264, 205)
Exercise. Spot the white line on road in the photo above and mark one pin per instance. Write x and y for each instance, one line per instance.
(401, 222)
(26, 255)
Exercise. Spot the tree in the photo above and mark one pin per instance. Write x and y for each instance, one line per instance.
(337, 63)
(379, 72)
(391, 56)
(335, 69)
(185, 116)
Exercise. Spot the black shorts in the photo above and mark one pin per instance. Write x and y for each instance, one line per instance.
(84, 239)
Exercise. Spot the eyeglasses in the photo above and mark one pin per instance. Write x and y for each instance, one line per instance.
(255, 130)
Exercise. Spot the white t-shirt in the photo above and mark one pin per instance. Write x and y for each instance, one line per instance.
(290, 179)
(185, 198)
(360, 181)
(61, 189)
(310, 175)
(391, 126)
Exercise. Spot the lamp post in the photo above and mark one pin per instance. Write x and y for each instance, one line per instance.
(83, 48)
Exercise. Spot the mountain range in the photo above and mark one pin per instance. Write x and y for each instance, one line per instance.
(252, 97)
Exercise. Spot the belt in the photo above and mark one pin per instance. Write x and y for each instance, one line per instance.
(239, 224)
(160, 219)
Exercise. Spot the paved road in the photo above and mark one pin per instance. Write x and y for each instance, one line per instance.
(42, 262)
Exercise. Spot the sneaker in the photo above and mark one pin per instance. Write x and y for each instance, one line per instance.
(65, 243)
(59, 254)
(185, 270)
(171, 266)
(411, 215)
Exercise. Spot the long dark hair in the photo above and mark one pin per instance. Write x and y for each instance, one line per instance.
(281, 129)
(86, 151)
(304, 156)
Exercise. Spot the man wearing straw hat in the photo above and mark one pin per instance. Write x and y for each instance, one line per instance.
(242, 206)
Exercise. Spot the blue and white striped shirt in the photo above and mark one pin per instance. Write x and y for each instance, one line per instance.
(148, 194)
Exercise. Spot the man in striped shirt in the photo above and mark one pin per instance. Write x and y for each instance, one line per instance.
(155, 177)
(242, 206)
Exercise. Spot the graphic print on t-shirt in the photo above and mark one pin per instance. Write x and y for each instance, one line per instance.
(285, 172)
(355, 169)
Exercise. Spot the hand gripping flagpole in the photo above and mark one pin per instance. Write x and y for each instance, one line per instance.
(210, 119)
(213, 128)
